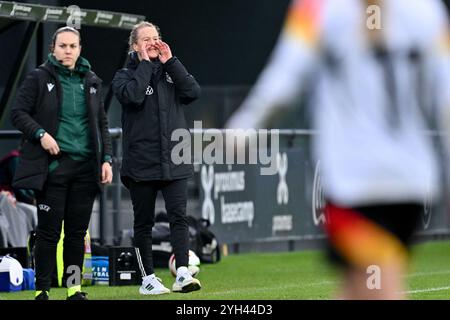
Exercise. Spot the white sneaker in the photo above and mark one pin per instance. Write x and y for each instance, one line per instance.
(152, 285)
(185, 282)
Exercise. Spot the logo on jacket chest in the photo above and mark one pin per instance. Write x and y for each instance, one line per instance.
(92, 90)
(149, 91)
(44, 207)
(168, 78)
(50, 86)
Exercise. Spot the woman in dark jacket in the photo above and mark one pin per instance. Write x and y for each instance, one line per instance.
(153, 90)
(66, 156)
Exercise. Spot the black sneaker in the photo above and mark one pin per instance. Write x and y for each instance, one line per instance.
(42, 296)
(78, 296)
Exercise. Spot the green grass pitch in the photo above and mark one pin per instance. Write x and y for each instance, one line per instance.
(276, 276)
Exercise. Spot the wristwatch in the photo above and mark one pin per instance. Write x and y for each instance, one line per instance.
(41, 134)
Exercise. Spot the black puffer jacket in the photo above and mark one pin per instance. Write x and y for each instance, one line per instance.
(38, 105)
(153, 96)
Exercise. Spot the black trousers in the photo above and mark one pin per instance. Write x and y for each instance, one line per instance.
(68, 196)
(143, 195)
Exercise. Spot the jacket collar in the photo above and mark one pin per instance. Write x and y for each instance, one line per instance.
(82, 66)
(50, 68)
(133, 61)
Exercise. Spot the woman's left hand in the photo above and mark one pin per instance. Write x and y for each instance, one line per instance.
(164, 51)
(107, 174)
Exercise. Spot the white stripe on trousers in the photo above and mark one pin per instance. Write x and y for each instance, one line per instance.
(139, 259)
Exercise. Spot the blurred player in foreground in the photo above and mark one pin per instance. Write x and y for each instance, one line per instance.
(380, 71)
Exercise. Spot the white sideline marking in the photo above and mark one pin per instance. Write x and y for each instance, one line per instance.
(430, 273)
(329, 282)
(249, 290)
(427, 290)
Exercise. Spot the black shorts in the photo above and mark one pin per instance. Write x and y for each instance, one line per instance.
(367, 235)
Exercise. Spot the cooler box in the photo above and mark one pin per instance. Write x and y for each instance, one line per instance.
(11, 274)
(28, 279)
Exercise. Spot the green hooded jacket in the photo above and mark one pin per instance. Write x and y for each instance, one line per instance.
(73, 131)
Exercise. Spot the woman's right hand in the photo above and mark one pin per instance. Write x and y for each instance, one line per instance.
(49, 144)
(143, 52)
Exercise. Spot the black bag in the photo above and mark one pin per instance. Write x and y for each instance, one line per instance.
(161, 245)
(201, 240)
(206, 245)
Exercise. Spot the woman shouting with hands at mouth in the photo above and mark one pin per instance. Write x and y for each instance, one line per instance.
(153, 90)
